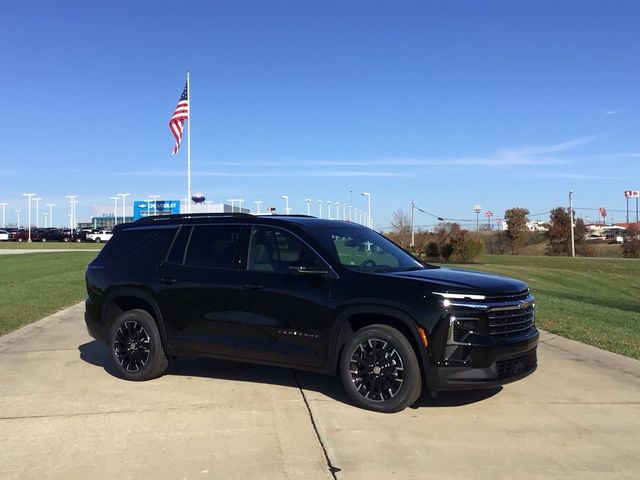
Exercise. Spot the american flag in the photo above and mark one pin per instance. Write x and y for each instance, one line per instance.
(176, 124)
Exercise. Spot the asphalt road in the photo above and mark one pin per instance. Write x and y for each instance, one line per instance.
(64, 415)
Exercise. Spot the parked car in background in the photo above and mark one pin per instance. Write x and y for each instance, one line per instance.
(4, 235)
(99, 236)
(70, 236)
(22, 235)
(83, 232)
(52, 235)
(12, 233)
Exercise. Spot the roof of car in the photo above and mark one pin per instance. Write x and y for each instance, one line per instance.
(304, 221)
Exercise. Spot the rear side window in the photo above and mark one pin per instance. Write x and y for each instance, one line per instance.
(138, 246)
(213, 246)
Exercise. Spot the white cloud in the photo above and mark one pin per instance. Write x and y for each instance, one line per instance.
(505, 157)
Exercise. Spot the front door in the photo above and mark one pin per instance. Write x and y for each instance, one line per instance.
(285, 317)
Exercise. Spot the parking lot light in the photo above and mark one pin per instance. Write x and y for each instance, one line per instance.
(51, 205)
(29, 196)
(124, 211)
(4, 206)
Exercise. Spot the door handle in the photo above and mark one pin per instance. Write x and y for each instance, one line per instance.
(168, 280)
(252, 286)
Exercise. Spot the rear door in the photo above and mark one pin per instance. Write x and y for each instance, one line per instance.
(201, 295)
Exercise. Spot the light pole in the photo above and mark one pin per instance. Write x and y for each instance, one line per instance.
(329, 209)
(75, 217)
(155, 198)
(286, 203)
(51, 205)
(319, 208)
(18, 214)
(344, 211)
(115, 210)
(337, 210)
(45, 215)
(71, 209)
(4, 206)
(368, 195)
(355, 215)
(124, 210)
(350, 213)
(573, 243)
(477, 208)
(37, 200)
(29, 196)
(258, 202)
(240, 200)
(231, 200)
(308, 200)
(413, 229)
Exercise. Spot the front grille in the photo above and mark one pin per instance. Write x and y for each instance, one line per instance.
(516, 297)
(511, 323)
(516, 366)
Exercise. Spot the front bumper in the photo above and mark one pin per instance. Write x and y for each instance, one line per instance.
(489, 367)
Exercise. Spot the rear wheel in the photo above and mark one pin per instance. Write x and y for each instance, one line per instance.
(136, 347)
(379, 369)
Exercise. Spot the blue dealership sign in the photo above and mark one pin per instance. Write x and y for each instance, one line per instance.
(145, 208)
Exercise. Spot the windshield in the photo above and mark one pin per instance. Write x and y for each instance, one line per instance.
(365, 250)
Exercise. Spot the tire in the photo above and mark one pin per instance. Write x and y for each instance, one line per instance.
(136, 347)
(44, 240)
(379, 369)
(97, 240)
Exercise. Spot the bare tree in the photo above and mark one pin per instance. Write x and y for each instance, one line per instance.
(401, 224)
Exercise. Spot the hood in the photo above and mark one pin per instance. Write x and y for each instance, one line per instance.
(453, 280)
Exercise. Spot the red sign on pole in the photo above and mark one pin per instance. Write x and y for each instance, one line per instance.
(632, 193)
(603, 212)
(488, 213)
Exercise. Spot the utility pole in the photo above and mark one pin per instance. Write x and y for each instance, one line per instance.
(257, 202)
(155, 203)
(413, 230)
(319, 208)
(308, 200)
(328, 209)
(573, 243)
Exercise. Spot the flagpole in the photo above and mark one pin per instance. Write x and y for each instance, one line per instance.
(188, 148)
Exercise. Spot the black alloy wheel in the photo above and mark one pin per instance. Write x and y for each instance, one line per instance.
(136, 346)
(379, 369)
(131, 346)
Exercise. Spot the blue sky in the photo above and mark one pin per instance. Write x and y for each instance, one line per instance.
(447, 103)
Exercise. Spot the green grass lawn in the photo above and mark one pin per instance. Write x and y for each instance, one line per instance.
(50, 245)
(592, 300)
(34, 285)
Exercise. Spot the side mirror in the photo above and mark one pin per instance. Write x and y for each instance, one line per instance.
(300, 271)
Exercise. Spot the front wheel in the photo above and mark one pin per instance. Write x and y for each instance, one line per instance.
(97, 240)
(379, 369)
(136, 347)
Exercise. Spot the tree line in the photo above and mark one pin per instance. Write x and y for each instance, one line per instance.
(451, 243)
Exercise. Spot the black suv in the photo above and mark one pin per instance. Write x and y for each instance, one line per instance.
(322, 295)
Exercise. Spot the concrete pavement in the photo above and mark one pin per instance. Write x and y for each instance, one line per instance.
(63, 415)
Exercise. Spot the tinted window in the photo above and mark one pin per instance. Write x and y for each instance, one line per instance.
(179, 245)
(213, 246)
(274, 250)
(363, 249)
(147, 246)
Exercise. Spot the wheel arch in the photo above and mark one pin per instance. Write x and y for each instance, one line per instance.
(355, 318)
(123, 299)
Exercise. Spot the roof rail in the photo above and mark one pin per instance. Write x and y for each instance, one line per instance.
(156, 218)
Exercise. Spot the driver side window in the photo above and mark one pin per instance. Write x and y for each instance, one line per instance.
(275, 250)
